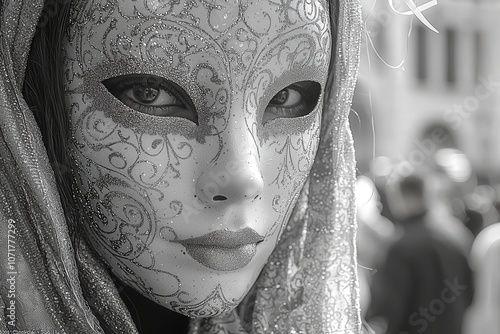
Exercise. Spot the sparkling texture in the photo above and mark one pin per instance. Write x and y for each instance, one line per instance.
(309, 284)
(224, 259)
(119, 151)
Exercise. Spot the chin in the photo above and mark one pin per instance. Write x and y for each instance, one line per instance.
(198, 291)
(213, 295)
(216, 303)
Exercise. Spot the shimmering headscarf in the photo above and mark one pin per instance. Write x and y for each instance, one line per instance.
(309, 284)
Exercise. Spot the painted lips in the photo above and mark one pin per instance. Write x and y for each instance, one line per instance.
(224, 250)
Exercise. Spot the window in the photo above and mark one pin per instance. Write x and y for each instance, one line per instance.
(451, 56)
(421, 33)
(478, 56)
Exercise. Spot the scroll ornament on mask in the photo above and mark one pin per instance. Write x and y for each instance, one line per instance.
(417, 11)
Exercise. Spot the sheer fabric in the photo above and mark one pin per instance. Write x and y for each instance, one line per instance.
(309, 284)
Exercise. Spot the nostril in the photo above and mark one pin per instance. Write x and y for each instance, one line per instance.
(219, 198)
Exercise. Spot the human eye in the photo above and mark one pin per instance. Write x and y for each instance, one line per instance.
(152, 95)
(296, 100)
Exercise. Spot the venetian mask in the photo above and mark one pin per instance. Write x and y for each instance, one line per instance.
(194, 126)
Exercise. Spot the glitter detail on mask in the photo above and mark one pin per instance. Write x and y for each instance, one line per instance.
(230, 76)
(309, 281)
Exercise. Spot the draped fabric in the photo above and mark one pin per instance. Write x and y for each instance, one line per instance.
(482, 315)
(309, 284)
(36, 255)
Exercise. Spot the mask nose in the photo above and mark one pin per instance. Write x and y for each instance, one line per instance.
(236, 178)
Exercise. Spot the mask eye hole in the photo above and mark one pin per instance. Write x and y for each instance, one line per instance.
(152, 95)
(295, 100)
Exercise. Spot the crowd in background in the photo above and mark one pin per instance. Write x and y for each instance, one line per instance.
(429, 248)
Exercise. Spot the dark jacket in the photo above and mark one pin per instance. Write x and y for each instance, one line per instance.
(425, 285)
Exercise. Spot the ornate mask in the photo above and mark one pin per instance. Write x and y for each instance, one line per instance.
(194, 127)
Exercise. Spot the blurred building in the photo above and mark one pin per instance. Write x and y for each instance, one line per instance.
(427, 90)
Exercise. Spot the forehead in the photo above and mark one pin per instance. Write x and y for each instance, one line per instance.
(240, 31)
(262, 18)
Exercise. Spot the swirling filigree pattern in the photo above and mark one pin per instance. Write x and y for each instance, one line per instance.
(142, 173)
(214, 304)
(309, 283)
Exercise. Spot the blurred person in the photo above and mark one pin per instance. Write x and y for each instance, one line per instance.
(374, 230)
(484, 314)
(440, 195)
(482, 200)
(383, 170)
(473, 221)
(374, 233)
(454, 181)
(424, 286)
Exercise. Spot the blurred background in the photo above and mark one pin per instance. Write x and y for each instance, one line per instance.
(426, 126)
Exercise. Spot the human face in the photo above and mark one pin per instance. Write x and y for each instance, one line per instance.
(194, 127)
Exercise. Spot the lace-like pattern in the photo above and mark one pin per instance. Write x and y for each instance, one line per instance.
(309, 284)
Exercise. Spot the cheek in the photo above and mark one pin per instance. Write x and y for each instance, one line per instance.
(129, 182)
(287, 162)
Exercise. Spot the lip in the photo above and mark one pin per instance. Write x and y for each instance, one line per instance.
(223, 250)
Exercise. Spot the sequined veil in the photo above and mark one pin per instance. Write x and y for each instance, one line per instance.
(309, 284)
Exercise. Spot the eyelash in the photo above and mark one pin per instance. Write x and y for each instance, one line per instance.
(309, 92)
(181, 106)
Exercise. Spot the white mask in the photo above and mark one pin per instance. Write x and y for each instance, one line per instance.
(195, 124)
